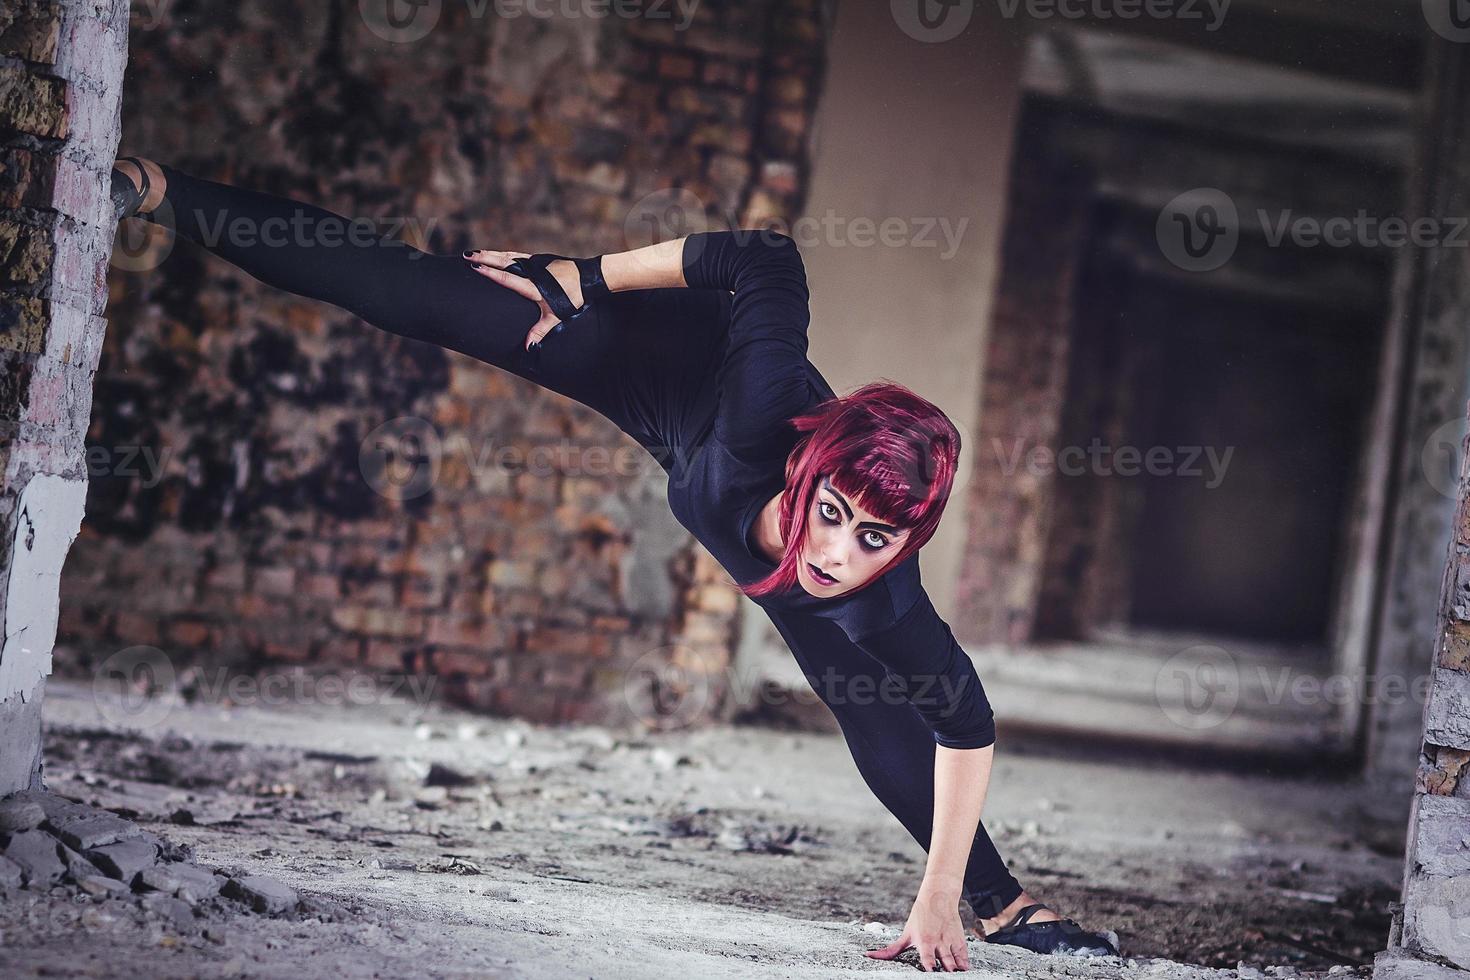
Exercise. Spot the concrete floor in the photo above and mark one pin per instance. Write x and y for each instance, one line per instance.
(729, 851)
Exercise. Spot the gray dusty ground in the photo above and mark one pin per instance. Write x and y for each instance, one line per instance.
(463, 846)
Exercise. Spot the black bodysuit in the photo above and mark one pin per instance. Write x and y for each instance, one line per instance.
(704, 378)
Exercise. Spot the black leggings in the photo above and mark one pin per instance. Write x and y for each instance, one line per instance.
(645, 361)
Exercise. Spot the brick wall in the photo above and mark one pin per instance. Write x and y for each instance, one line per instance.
(60, 67)
(251, 536)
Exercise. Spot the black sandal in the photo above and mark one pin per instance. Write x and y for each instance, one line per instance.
(594, 287)
(1062, 936)
(126, 197)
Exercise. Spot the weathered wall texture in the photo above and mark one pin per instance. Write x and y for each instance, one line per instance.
(61, 66)
(233, 446)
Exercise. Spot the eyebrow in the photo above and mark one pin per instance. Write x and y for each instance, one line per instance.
(878, 525)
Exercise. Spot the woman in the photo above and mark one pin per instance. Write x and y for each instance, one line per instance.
(816, 505)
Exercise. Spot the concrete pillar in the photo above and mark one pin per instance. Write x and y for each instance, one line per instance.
(1430, 936)
(61, 69)
(1431, 303)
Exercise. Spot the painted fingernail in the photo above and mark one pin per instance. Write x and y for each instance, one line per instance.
(558, 328)
(469, 253)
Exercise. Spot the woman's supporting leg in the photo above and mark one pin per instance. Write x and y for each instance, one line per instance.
(439, 299)
(893, 748)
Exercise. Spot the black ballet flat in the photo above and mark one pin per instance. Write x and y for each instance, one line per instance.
(594, 287)
(1062, 937)
(127, 198)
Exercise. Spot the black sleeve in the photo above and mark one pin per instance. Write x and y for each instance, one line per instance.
(927, 663)
(763, 377)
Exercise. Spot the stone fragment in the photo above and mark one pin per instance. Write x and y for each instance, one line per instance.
(94, 830)
(77, 866)
(262, 894)
(11, 873)
(160, 878)
(195, 883)
(101, 886)
(125, 859)
(17, 815)
(35, 852)
(175, 911)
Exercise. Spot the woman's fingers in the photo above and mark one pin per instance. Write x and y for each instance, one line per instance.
(892, 949)
(949, 958)
(510, 280)
(932, 954)
(493, 257)
(542, 327)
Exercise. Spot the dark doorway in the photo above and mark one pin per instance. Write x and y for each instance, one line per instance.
(1213, 436)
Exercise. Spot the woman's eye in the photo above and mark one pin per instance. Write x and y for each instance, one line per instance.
(824, 507)
(876, 541)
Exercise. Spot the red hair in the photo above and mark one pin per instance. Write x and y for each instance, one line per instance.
(892, 451)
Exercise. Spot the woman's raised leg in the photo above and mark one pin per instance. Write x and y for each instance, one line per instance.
(312, 252)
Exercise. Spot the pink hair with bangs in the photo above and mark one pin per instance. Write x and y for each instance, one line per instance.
(883, 446)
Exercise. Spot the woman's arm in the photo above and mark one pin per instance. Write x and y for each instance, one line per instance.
(934, 673)
(658, 266)
(763, 377)
(934, 928)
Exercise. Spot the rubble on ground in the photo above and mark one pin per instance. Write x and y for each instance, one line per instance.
(60, 846)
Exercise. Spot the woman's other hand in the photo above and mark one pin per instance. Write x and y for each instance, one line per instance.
(492, 265)
(935, 930)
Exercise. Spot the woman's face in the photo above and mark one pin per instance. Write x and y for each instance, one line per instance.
(844, 541)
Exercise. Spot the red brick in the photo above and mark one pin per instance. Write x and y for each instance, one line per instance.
(189, 633)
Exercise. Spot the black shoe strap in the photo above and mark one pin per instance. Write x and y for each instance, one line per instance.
(594, 287)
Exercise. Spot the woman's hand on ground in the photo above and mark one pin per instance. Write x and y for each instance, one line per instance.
(935, 930)
(492, 265)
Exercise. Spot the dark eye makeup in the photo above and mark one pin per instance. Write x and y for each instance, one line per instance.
(824, 506)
